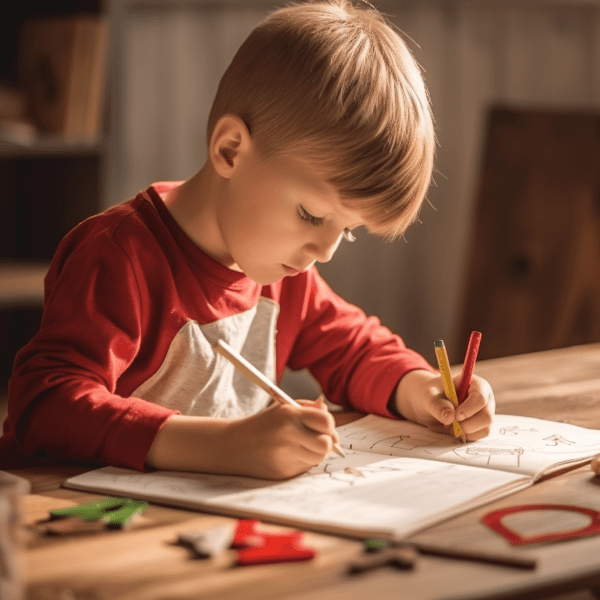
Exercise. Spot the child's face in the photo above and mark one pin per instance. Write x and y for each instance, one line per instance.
(279, 216)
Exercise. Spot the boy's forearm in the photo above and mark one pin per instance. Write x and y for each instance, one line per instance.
(191, 444)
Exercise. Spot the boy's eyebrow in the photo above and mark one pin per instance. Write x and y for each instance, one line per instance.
(326, 207)
(316, 184)
(310, 175)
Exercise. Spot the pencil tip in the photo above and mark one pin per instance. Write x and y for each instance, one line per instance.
(339, 450)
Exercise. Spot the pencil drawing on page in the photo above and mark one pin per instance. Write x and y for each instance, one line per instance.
(508, 456)
(514, 443)
(406, 442)
(514, 430)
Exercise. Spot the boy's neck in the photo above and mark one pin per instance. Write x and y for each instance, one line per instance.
(193, 206)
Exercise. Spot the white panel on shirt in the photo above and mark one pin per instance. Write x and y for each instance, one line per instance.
(196, 381)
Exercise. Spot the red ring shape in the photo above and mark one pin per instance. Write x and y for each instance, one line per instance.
(494, 521)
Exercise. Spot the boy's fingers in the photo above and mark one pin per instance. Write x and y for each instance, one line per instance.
(442, 410)
(318, 445)
(478, 435)
(479, 398)
(596, 464)
(308, 403)
(478, 424)
(318, 420)
(321, 401)
(318, 403)
(475, 403)
(313, 448)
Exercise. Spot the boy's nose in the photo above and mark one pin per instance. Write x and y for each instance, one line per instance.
(322, 250)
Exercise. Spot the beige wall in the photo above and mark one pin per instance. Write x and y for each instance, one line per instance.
(168, 61)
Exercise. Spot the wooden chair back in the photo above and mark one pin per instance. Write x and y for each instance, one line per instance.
(533, 270)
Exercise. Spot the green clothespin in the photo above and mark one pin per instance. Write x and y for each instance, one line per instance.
(375, 545)
(117, 513)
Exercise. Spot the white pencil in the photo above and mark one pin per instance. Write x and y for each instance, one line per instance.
(254, 375)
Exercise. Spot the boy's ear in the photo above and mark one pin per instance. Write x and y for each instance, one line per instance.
(229, 143)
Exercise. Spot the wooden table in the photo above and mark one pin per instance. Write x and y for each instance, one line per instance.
(142, 563)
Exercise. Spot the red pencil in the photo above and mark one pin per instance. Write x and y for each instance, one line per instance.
(468, 366)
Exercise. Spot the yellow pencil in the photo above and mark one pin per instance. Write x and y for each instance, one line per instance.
(449, 389)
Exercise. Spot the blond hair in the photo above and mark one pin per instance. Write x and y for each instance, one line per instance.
(336, 82)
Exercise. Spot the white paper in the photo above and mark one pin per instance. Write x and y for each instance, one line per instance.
(516, 444)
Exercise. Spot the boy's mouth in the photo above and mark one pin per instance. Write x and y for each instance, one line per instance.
(291, 271)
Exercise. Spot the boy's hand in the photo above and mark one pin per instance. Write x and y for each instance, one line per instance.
(282, 441)
(420, 398)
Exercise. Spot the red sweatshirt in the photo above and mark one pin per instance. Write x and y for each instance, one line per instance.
(132, 311)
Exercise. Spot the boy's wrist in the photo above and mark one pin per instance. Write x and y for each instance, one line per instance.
(190, 444)
(409, 389)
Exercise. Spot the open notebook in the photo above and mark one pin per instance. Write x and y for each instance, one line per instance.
(397, 477)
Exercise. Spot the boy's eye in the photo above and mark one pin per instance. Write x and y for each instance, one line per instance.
(306, 216)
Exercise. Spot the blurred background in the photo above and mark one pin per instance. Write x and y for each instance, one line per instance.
(162, 64)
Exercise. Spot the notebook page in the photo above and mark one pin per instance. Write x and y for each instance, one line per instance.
(515, 444)
(361, 494)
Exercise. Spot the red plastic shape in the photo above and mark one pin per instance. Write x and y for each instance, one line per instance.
(494, 521)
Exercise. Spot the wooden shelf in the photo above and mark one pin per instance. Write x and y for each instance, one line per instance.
(22, 283)
(51, 181)
(50, 146)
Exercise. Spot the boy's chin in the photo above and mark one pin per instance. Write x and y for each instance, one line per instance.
(269, 274)
(263, 278)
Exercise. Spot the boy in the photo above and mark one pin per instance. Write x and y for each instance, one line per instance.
(321, 124)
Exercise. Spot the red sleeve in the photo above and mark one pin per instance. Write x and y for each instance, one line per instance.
(62, 401)
(357, 361)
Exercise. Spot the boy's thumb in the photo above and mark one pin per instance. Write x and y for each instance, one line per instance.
(446, 413)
